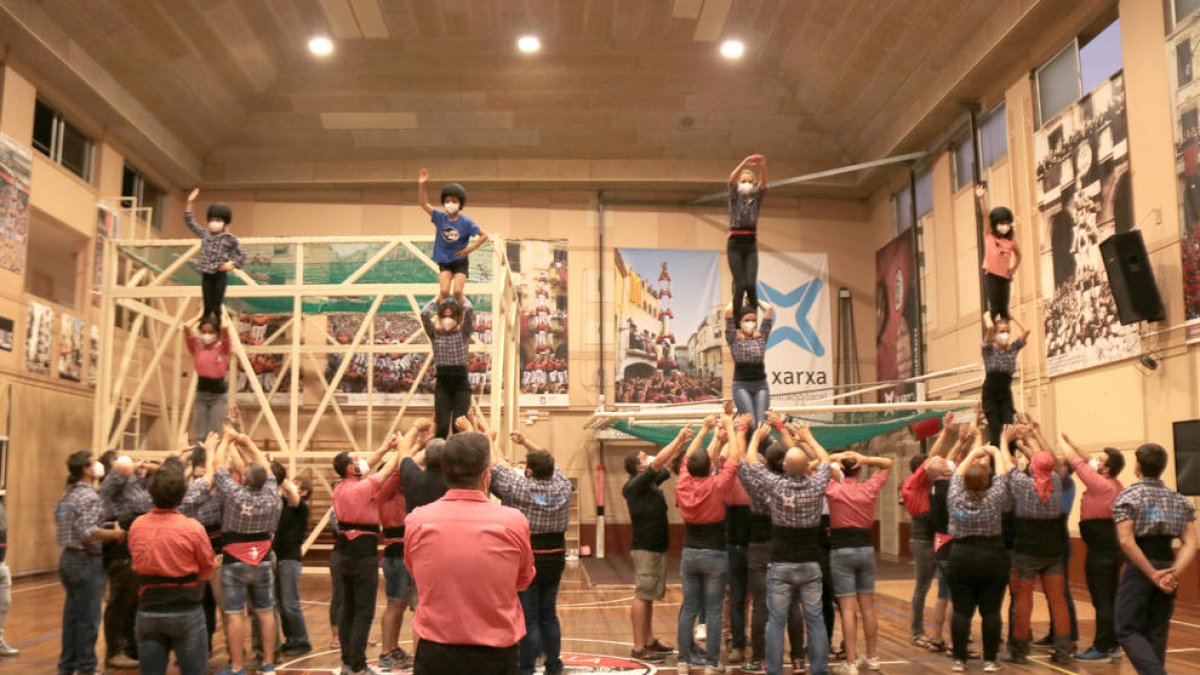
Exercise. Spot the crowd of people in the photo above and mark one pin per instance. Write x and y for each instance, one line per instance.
(1083, 314)
(675, 387)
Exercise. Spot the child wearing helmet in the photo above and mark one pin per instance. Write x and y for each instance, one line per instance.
(1001, 257)
(220, 252)
(456, 237)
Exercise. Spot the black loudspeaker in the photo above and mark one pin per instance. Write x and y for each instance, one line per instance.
(1131, 278)
(1187, 457)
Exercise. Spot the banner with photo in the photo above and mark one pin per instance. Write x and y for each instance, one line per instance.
(93, 354)
(254, 330)
(541, 269)
(39, 333)
(6, 333)
(70, 349)
(1084, 196)
(897, 317)
(16, 161)
(1183, 62)
(799, 356)
(669, 350)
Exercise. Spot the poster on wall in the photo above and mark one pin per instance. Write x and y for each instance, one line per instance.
(393, 372)
(6, 334)
(254, 330)
(38, 336)
(669, 349)
(897, 318)
(1183, 58)
(93, 354)
(541, 269)
(16, 160)
(799, 356)
(70, 349)
(1084, 196)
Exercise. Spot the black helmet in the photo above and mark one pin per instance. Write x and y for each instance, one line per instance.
(220, 211)
(1000, 214)
(456, 190)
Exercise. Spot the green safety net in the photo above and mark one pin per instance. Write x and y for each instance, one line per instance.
(838, 430)
(324, 264)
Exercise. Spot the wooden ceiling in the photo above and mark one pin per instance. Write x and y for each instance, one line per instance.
(623, 92)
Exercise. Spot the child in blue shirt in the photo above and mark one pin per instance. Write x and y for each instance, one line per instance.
(456, 237)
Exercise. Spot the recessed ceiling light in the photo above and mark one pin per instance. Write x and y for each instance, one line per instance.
(529, 44)
(732, 49)
(321, 46)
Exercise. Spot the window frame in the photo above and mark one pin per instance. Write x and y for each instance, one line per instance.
(1001, 110)
(140, 181)
(58, 130)
(1072, 44)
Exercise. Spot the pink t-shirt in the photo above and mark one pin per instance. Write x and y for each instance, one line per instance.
(211, 362)
(469, 557)
(1097, 501)
(702, 499)
(354, 503)
(998, 254)
(852, 501)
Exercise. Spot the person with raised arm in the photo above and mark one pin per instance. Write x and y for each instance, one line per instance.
(1002, 254)
(1000, 363)
(220, 253)
(746, 193)
(455, 238)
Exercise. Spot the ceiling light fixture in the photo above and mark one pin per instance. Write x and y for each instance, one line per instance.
(529, 44)
(321, 46)
(732, 49)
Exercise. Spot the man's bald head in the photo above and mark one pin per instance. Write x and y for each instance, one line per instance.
(795, 462)
(937, 469)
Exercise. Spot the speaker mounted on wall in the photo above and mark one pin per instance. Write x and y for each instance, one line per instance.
(1131, 278)
(1187, 457)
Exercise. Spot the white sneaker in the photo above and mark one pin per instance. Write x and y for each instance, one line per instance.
(701, 633)
(845, 669)
(868, 663)
(959, 667)
(991, 667)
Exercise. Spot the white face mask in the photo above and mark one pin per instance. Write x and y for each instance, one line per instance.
(363, 467)
(1002, 338)
(1003, 229)
(448, 323)
(98, 470)
(1095, 464)
(451, 207)
(649, 460)
(215, 226)
(749, 326)
(745, 187)
(208, 338)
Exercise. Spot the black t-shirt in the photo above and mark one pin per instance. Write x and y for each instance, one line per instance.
(289, 535)
(648, 510)
(939, 512)
(421, 487)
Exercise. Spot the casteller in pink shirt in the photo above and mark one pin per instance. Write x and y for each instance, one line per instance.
(852, 501)
(469, 557)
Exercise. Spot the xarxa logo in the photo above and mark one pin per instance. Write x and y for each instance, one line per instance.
(800, 332)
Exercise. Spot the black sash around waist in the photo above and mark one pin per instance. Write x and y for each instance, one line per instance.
(1157, 547)
(749, 372)
(244, 537)
(795, 544)
(997, 379)
(163, 594)
(850, 537)
(760, 528)
(548, 543)
(214, 537)
(211, 385)
(394, 549)
(704, 535)
(1041, 537)
(1099, 534)
(362, 546)
(994, 543)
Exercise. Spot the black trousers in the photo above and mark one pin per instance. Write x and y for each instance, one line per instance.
(1143, 620)
(434, 658)
(212, 286)
(998, 291)
(743, 267)
(120, 611)
(1103, 571)
(360, 579)
(210, 613)
(978, 578)
(451, 397)
(998, 406)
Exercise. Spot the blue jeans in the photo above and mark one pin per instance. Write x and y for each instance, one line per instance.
(287, 590)
(543, 634)
(752, 396)
(158, 633)
(784, 581)
(239, 580)
(739, 578)
(704, 572)
(82, 576)
(853, 570)
(926, 569)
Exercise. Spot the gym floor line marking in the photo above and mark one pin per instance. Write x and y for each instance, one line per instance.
(1041, 661)
(34, 588)
(600, 603)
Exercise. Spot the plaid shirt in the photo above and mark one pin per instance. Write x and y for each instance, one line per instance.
(1154, 508)
(78, 514)
(743, 212)
(200, 503)
(244, 511)
(1000, 361)
(977, 518)
(124, 498)
(1027, 504)
(450, 349)
(216, 248)
(795, 500)
(546, 502)
(760, 496)
(753, 350)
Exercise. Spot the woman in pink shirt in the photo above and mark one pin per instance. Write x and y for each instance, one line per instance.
(209, 347)
(1002, 255)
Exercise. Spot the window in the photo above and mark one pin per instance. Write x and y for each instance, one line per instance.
(902, 200)
(1183, 8)
(993, 137)
(1081, 66)
(146, 194)
(61, 141)
(56, 259)
(924, 182)
(964, 162)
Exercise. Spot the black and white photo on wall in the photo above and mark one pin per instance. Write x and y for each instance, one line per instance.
(6, 334)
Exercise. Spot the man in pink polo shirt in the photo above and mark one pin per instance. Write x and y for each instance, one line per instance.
(469, 558)
(852, 505)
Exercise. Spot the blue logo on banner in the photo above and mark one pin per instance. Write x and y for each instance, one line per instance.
(802, 299)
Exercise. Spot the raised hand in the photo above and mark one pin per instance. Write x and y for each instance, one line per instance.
(422, 175)
(192, 195)
(980, 190)
(423, 424)
(773, 418)
(711, 421)
(462, 423)
(745, 419)
(763, 431)
(686, 435)
(517, 437)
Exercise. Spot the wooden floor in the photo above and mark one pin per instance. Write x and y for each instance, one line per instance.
(595, 628)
